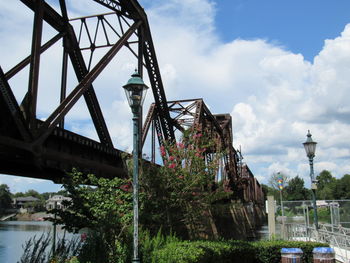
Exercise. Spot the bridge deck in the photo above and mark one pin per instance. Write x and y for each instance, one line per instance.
(62, 151)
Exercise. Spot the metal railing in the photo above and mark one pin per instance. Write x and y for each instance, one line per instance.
(337, 237)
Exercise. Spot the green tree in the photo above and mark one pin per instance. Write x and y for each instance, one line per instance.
(268, 190)
(5, 198)
(295, 190)
(325, 185)
(104, 206)
(33, 193)
(342, 188)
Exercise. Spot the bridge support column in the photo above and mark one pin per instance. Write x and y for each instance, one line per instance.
(271, 216)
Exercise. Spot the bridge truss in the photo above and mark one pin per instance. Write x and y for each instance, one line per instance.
(44, 148)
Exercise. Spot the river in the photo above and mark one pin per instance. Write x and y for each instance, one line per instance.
(14, 234)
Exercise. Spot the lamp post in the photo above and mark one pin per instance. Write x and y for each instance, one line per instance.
(135, 91)
(310, 147)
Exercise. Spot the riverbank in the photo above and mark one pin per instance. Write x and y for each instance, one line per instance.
(32, 216)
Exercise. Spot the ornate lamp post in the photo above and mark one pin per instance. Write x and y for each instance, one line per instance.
(135, 91)
(310, 147)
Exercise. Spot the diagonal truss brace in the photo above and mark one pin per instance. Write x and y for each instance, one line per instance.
(74, 96)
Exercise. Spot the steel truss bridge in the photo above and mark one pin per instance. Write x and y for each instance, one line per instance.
(45, 149)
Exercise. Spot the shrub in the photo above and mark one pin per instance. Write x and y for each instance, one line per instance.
(150, 244)
(233, 251)
(205, 252)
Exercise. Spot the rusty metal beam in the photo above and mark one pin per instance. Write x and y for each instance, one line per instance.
(27, 60)
(34, 65)
(133, 10)
(74, 96)
(71, 45)
(11, 110)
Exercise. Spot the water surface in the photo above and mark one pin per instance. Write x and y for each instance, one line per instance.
(14, 234)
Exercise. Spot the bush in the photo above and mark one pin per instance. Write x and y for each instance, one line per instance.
(150, 244)
(205, 252)
(228, 251)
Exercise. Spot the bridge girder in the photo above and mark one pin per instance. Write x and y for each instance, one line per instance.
(34, 144)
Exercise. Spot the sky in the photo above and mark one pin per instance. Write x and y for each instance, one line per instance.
(280, 68)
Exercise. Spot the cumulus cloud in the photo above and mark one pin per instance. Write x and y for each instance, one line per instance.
(273, 94)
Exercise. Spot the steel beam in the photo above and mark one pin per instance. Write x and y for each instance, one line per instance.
(11, 110)
(74, 96)
(27, 60)
(71, 45)
(34, 66)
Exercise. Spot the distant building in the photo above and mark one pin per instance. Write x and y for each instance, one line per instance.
(58, 199)
(20, 203)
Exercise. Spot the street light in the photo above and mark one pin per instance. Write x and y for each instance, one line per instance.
(310, 147)
(135, 91)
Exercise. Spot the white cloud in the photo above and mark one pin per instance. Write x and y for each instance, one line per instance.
(274, 95)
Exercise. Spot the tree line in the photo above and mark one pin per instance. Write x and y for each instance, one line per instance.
(328, 187)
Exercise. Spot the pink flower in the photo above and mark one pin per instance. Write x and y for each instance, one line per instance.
(181, 177)
(181, 145)
(198, 135)
(83, 237)
(172, 165)
(197, 155)
(125, 187)
(162, 153)
(171, 158)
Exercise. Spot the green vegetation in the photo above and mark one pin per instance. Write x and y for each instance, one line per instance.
(170, 249)
(38, 250)
(173, 202)
(174, 198)
(228, 251)
(328, 188)
(5, 198)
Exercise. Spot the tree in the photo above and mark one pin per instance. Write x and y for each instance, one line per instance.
(33, 193)
(295, 190)
(325, 185)
(105, 207)
(267, 190)
(5, 198)
(185, 188)
(342, 188)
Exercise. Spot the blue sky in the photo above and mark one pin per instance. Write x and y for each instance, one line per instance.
(300, 26)
(278, 67)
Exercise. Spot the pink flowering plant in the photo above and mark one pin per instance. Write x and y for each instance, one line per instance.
(189, 176)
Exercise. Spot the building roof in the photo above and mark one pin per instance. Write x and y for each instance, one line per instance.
(26, 199)
(56, 198)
